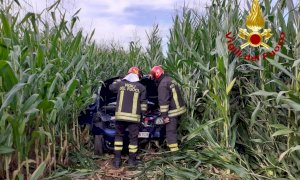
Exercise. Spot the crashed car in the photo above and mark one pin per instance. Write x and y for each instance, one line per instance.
(101, 116)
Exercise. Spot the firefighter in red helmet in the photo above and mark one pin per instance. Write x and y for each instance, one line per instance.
(171, 104)
(134, 70)
(131, 102)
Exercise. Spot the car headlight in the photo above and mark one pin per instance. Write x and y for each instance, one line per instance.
(159, 121)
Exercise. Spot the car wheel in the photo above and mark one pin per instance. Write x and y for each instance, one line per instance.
(99, 144)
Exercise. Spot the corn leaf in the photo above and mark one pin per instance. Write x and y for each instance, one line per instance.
(38, 172)
(12, 94)
(282, 132)
(6, 150)
(230, 85)
(7, 75)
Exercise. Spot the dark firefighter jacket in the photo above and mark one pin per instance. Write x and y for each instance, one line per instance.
(169, 97)
(131, 100)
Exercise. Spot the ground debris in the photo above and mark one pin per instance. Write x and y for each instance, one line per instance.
(107, 172)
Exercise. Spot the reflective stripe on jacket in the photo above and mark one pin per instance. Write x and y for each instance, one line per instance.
(131, 100)
(170, 99)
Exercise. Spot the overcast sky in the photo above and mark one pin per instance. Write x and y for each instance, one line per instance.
(123, 20)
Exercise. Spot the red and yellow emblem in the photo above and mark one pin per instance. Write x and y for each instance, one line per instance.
(255, 22)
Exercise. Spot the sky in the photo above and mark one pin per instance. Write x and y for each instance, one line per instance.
(123, 21)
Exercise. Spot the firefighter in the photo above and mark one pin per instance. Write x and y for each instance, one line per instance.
(131, 102)
(171, 104)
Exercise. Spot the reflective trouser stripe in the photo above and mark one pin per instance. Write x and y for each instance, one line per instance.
(173, 145)
(174, 149)
(118, 143)
(121, 101)
(118, 148)
(133, 148)
(175, 97)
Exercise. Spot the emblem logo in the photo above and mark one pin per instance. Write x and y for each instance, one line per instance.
(255, 22)
(256, 37)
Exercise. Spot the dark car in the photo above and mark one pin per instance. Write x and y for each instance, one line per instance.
(100, 115)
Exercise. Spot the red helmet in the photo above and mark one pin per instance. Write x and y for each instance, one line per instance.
(134, 70)
(156, 72)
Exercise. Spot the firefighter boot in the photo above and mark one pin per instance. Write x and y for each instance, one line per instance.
(132, 160)
(117, 162)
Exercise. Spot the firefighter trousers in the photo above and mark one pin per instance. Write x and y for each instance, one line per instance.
(133, 129)
(171, 134)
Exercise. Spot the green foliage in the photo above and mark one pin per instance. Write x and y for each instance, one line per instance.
(48, 74)
(243, 116)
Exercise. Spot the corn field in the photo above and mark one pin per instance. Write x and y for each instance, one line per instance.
(243, 118)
